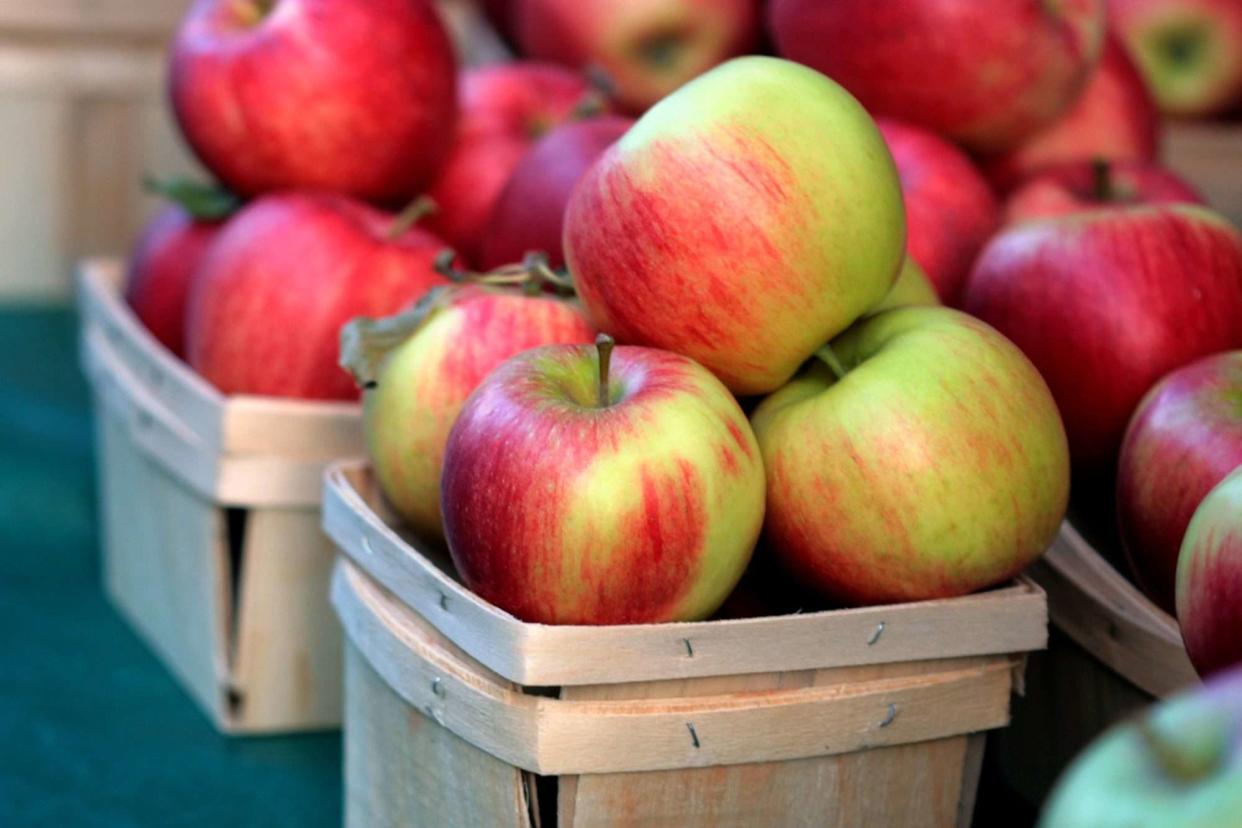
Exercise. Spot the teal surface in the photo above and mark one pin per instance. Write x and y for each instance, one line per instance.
(93, 730)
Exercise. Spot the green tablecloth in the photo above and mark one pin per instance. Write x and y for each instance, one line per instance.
(93, 730)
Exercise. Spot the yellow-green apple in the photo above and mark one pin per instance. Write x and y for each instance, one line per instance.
(647, 48)
(580, 489)
(912, 288)
(1190, 51)
(1209, 576)
(923, 459)
(1184, 438)
(352, 97)
(950, 209)
(1108, 301)
(287, 272)
(1179, 765)
(1114, 118)
(988, 75)
(1078, 186)
(414, 388)
(161, 268)
(742, 221)
(530, 213)
(505, 109)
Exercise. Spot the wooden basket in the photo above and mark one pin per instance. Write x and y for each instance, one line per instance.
(1209, 156)
(1113, 652)
(212, 545)
(459, 714)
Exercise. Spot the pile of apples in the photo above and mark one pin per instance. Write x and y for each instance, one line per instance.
(641, 303)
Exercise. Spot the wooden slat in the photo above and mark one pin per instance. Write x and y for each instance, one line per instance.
(1209, 155)
(153, 19)
(551, 736)
(1006, 620)
(1109, 617)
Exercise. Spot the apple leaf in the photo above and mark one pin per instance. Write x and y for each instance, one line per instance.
(366, 342)
(204, 201)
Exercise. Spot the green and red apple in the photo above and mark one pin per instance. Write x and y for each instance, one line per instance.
(924, 458)
(588, 486)
(1209, 579)
(743, 221)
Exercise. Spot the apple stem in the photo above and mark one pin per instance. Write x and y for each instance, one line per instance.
(603, 346)
(829, 357)
(1102, 179)
(414, 212)
(1176, 765)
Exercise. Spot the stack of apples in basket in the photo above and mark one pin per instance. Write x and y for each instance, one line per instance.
(640, 313)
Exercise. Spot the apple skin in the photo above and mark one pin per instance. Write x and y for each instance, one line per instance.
(562, 512)
(338, 95)
(1184, 438)
(424, 382)
(505, 109)
(999, 71)
(1114, 119)
(1106, 302)
(1209, 576)
(1207, 80)
(282, 278)
(1186, 773)
(530, 213)
(936, 467)
(950, 209)
(161, 270)
(1071, 188)
(912, 289)
(719, 227)
(647, 48)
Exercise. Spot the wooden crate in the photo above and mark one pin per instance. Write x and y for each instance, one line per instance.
(1209, 156)
(211, 538)
(459, 714)
(1112, 653)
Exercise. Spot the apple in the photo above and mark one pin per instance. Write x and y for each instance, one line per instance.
(1088, 185)
(950, 209)
(646, 48)
(1185, 437)
(1178, 765)
(530, 213)
(282, 278)
(584, 488)
(1190, 51)
(743, 221)
(417, 372)
(987, 75)
(911, 289)
(161, 267)
(326, 94)
(1108, 301)
(1114, 118)
(1209, 576)
(923, 459)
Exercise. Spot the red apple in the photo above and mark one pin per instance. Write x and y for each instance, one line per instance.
(576, 494)
(505, 109)
(160, 270)
(742, 221)
(647, 48)
(1190, 51)
(988, 75)
(287, 272)
(333, 94)
(1086, 185)
(1185, 437)
(415, 389)
(950, 209)
(530, 213)
(1113, 119)
(1106, 302)
(1209, 577)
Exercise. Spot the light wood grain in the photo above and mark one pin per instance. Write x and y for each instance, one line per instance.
(552, 736)
(1209, 155)
(147, 19)
(1006, 620)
